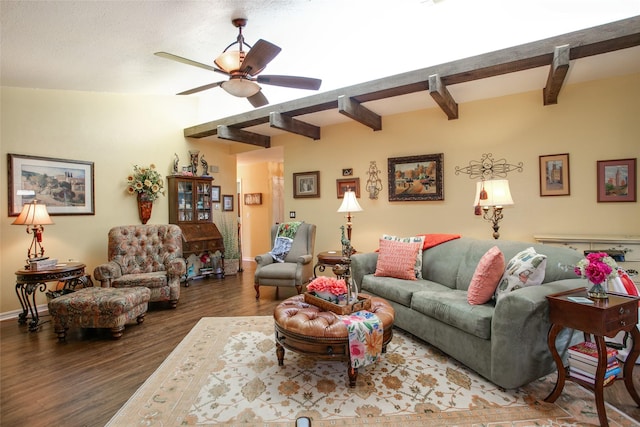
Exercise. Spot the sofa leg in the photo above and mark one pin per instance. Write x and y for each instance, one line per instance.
(173, 303)
(117, 332)
(140, 318)
(257, 287)
(62, 333)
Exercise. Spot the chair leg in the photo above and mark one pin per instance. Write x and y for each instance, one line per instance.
(299, 289)
(257, 287)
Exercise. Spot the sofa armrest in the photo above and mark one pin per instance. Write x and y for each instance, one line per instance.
(176, 267)
(264, 259)
(519, 331)
(361, 265)
(106, 273)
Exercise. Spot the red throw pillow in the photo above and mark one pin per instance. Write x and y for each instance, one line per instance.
(431, 240)
(486, 277)
(397, 259)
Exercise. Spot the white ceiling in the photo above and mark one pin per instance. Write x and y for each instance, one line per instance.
(108, 46)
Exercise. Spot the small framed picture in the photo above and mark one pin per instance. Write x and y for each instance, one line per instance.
(306, 184)
(215, 193)
(554, 175)
(253, 199)
(227, 202)
(617, 180)
(347, 172)
(343, 185)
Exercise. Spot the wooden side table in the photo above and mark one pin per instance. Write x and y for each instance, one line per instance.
(603, 318)
(30, 281)
(327, 259)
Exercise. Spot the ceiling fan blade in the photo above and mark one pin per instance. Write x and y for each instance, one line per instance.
(258, 57)
(189, 62)
(200, 88)
(291, 81)
(258, 100)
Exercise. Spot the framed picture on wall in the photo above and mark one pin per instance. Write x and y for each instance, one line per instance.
(253, 199)
(306, 184)
(64, 186)
(227, 202)
(416, 178)
(617, 180)
(343, 185)
(215, 193)
(554, 175)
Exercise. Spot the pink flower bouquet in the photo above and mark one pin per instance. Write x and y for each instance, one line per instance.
(328, 288)
(597, 267)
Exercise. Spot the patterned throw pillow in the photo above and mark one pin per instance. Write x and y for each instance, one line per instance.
(524, 269)
(412, 239)
(486, 277)
(397, 259)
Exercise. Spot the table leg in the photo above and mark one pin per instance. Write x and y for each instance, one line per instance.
(554, 330)
(599, 385)
(630, 363)
(280, 353)
(352, 373)
(27, 295)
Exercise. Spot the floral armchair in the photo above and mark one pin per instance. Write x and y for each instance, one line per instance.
(145, 255)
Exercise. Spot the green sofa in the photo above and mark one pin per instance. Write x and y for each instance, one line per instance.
(505, 342)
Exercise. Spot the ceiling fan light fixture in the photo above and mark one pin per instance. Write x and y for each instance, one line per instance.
(241, 88)
(230, 60)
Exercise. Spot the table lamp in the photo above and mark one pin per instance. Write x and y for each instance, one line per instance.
(34, 216)
(349, 204)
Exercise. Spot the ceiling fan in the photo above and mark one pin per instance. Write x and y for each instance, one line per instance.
(243, 68)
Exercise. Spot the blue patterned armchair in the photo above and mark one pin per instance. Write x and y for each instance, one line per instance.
(145, 255)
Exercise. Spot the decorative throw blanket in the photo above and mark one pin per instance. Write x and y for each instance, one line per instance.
(365, 338)
(284, 239)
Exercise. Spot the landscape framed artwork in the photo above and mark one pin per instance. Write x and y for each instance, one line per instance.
(253, 199)
(215, 193)
(617, 180)
(554, 175)
(415, 178)
(227, 202)
(306, 184)
(66, 187)
(343, 185)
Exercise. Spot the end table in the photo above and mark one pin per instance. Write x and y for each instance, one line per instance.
(602, 318)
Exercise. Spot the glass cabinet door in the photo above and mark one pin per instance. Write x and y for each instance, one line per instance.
(203, 202)
(185, 201)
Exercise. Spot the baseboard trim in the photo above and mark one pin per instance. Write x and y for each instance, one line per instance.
(43, 310)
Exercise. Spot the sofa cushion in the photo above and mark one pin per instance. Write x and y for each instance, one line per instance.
(397, 290)
(526, 268)
(413, 239)
(450, 306)
(486, 277)
(397, 259)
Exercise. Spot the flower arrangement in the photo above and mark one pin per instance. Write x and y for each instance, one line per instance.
(147, 181)
(328, 288)
(597, 267)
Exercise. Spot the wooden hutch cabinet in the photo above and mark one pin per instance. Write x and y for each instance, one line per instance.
(190, 208)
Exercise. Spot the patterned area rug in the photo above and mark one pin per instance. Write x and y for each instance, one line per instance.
(225, 372)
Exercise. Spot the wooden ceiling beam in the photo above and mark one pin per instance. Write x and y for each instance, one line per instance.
(588, 42)
(355, 111)
(443, 98)
(239, 135)
(289, 124)
(557, 74)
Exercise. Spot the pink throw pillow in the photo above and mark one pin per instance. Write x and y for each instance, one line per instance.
(486, 277)
(397, 259)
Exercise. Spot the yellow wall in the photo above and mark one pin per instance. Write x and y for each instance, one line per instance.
(592, 121)
(113, 131)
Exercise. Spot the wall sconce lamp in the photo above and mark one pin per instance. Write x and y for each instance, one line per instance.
(349, 204)
(34, 216)
(491, 197)
(374, 183)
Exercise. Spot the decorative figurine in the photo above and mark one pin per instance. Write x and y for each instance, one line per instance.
(194, 161)
(175, 164)
(205, 166)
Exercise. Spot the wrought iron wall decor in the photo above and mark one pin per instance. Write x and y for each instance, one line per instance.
(374, 183)
(488, 168)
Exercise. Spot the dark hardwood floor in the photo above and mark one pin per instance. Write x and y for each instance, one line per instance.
(84, 381)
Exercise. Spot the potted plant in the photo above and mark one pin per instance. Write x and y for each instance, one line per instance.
(228, 228)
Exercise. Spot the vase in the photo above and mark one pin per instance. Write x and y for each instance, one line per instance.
(144, 207)
(597, 291)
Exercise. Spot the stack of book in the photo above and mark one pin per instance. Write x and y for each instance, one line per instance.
(42, 264)
(583, 363)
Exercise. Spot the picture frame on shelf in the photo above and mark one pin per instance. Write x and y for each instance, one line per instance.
(215, 193)
(227, 202)
(253, 199)
(416, 178)
(306, 184)
(343, 185)
(65, 186)
(617, 180)
(554, 175)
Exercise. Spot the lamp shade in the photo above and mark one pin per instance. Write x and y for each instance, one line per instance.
(240, 87)
(230, 60)
(498, 193)
(33, 214)
(349, 203)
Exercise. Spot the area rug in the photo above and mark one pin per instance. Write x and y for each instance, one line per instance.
(225, 372)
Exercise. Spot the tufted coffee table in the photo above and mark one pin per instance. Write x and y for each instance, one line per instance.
(312, 331)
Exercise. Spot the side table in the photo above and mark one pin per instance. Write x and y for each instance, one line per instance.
(327, 259)
(30, 281)
(603, 318)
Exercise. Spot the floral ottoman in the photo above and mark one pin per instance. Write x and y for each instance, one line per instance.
(99, 308)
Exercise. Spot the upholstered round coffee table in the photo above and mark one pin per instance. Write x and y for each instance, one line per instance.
(312, 331)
